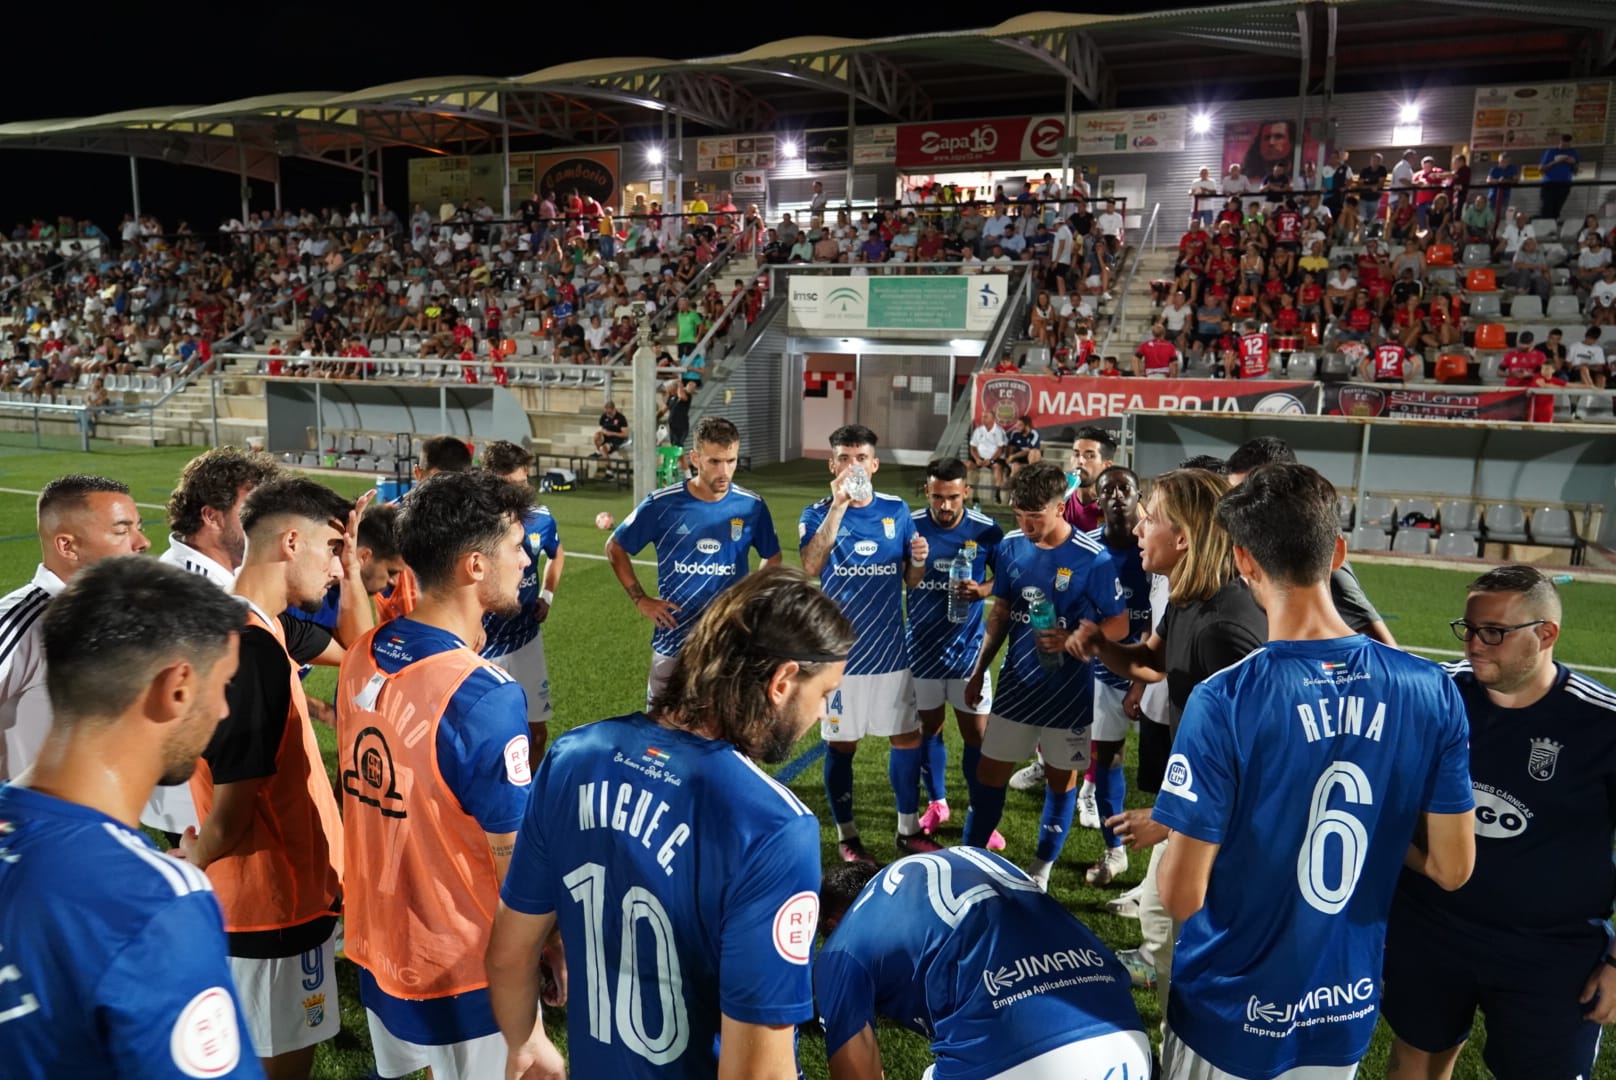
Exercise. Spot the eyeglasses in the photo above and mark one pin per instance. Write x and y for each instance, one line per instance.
(1489, 635)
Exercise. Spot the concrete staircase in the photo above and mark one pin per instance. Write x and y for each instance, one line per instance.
(1139, 308)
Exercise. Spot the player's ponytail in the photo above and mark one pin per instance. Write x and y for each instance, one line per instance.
(719, 684)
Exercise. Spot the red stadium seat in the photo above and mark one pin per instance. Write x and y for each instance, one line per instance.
(1481, 280)
(1452, 367)
(1439, 255)
(1491, 336)
(1242, 306)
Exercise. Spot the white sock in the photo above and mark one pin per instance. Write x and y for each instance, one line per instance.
(1087, 790)
(846, 830)
(1038, 870)
(908, 824)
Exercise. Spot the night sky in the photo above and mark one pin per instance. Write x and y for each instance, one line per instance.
(83, 63)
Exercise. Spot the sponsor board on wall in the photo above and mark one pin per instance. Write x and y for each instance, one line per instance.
(1534, 116)
(1055, 403)
(1005, 140)
(749, 152)
(1424, 403)
(966, 303)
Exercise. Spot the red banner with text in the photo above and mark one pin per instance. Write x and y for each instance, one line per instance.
(980, 142)
(1055, 403)
(1421, 403)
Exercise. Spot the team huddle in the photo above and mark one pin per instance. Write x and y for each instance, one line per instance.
(1340, 830)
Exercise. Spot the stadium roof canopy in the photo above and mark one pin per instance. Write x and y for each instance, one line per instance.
(1027, 62)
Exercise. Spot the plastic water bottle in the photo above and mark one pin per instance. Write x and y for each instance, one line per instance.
(1041, 617)
(857, 485)
(1558, 579)
(959, 574)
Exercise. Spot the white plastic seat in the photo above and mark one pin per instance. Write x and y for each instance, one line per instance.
(1413, 541)
(1553, 525)
(1505, 523)
(1379, 513)
(1368, 538)
(1524, 307)
(1459, 544)
(1564, 307)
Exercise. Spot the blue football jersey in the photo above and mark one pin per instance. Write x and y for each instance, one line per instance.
(504, 636)
(685, 881)
(1080, 580)
(700, 546)
(961, 947)
(1135, 582)
(939, 649)
(1310, 763)
(112, 954)
(864, 575)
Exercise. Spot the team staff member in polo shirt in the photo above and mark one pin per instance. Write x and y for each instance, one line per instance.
(612, 432)
(1025, 446)
(432, 747)
(270, 839)
(205, 537)
(82, 520)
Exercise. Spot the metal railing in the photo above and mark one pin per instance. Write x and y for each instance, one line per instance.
(691, 291)
(1123, 293)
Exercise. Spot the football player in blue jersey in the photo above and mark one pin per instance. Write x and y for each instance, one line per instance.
(1045, 698)
(1117, 490)
(941, 651)
(965, 949)
(112, 955)
(1527, 938)
(683, 878)
(1277, 969)
(701, 529)
(517, 644)
(863, 547)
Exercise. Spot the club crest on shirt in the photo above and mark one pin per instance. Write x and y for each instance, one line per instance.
(1545, 754)
(968, 549)
(889, 526)
(536, 539)
(1063, 579)
(735, 526)
(314, 1010)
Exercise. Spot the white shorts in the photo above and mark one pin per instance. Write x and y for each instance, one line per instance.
(871, 705)
(1061, 748)
(474, 1059)
(526, 665)
(661, 672)
(935, 693)
(1117, 1054)
(1179, 1062)
(289, 1004)
(170, 809)
(1110, 725)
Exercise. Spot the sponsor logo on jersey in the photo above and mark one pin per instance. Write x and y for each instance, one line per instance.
(517, 769)
(314, 1010)
(1006, 976)
(877, 570)
(1331, 665)
(682, 530)
(866, 548)
(735, 527)
(794, 927)
(696, 569)
(205, 1041)
(1540, 762)
(889, 526)
(658, 755)
(1327, 1000)
(372, 766)
(1063, 579)
(1030, 593)
(1180, 779)
(708, 546)
(942, 566)
(535, 539)
(1499, 815)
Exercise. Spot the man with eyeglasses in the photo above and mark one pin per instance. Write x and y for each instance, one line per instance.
(1526, 939)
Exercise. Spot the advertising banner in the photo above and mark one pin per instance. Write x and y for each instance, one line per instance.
(1421, 403)
(591, 172)
(1535, 116)
(1258, 145)
(875, 145)
(980, 142)
(956, 302)
(1130, 132)
(1055, 403)
(735, 152)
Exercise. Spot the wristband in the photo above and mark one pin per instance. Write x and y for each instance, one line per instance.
(547, 596)
(916, 562)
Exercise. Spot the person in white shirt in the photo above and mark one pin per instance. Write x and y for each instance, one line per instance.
(1586, 362)
(82, 520)
(998, 260)
(988, 443)
(1602, 298)
(1513, 235)
(1236, 183)
(1050, 192)
(1110, 222)
(1060, 256)
(206, 538)
(1203, 204)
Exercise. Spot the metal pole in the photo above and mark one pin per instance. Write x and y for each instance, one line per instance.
(246, 185)
(505, 159)
(213, 405)
(852, 117)
(319, 425)
(1066, 155)
(644, 456)
(277, 185)
(1305, 42)
(443, 409)
(679, 172)
(662, 179)
(381, 188)
(134, 182)
(364, 175)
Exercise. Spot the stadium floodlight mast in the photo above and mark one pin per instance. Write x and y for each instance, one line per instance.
(643, 448)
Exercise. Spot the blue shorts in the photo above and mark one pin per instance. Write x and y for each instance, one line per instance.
(1440, 970)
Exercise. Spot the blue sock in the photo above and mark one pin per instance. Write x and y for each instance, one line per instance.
(934, 766)
(987, 807)
(1109, 789)
(903, 769)
(839, 785)
(1055, 823)
(968, 761)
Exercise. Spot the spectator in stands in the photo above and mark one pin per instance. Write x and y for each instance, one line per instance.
(1177, 318)
(1522, 362)
(1529, 270)
(1203, 198)
(1359, 324)
(1024, 446)
(1368, 186)
(1592, 258)
(1479, 220)
(1501, 179)
(1559, 167)
(1513, 235)
(1041, 321)
(1587, 363)
(1554, 348)
(612, 433)
(1158, 358)
(1340, 289)
(988, 447)
(1602, 297)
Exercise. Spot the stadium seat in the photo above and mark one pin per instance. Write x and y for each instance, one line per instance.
(1344, 506)
(1481, 280)
(1492, 336)
(1413, 541)
(1525, 307)
(1554, 525)
(1560, 279)
(1546, 228)
(1505, 523)
(1439, 255)
(1368, 538)
(1241, 306)
(1564, 307)
(1303, 365)
(1460, 515)
(1487, 306)
(1460, 544)
(1379, 513)
(1569, 230)
(1407, 505)
(1335, 367)
(1476, 255)
(1489, 364)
